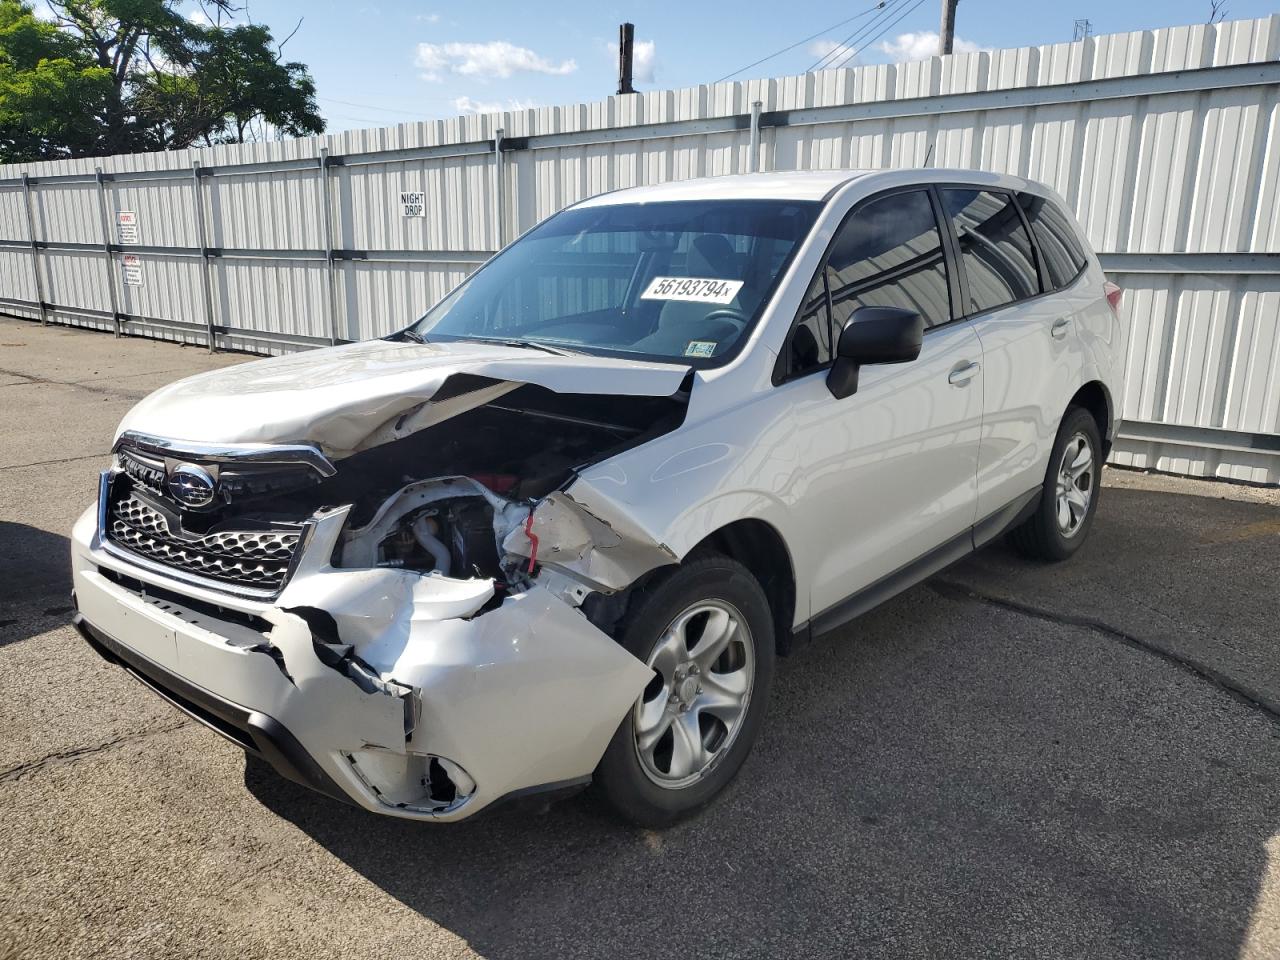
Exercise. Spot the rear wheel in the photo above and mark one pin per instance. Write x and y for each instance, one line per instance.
(1069, 497)
(706, 633)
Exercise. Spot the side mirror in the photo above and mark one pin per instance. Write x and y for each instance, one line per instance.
(873, 335)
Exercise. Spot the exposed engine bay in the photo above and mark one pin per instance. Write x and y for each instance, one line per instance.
(452, 494)
(444, 499)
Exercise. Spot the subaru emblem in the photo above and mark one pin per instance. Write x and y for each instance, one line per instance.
(192, 485)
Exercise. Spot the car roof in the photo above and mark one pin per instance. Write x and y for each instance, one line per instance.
(790, 185)
(800, 185)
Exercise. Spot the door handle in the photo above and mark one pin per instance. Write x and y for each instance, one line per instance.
(962, 374)
(1059, 328)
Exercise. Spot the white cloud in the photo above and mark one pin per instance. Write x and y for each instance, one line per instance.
(42, 11)
(922, 45)
(200, 17)
(644, 60)
(428, 17)
(496, 59)
(468, 105)
(833, 54)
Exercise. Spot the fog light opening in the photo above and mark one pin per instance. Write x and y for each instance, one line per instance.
(452, 779)
(420, 782)
(440, 789)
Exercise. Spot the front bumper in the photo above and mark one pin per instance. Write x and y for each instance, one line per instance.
(506, 701)
(256, 733)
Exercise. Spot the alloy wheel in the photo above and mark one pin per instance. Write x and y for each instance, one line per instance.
(1077, 477)
(693, 709)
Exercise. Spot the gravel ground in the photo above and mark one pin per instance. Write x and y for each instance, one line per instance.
(1009, 760)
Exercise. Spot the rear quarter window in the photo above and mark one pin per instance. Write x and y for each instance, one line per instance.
(1060, 251)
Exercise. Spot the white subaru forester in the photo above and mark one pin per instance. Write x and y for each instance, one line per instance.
(558, 529)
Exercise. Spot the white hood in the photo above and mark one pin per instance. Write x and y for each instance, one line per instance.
(336, 397)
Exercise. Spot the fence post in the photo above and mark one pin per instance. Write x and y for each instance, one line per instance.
(755, 136)
(197, 198)
(500, 188)
(330, 266)
(105, 216)
(35, 252)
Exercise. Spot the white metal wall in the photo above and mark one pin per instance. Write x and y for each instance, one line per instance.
(1166, 142)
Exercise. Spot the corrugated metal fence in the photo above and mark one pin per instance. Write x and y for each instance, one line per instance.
(1166, 142)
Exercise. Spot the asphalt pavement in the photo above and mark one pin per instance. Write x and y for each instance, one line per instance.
(1010, 760)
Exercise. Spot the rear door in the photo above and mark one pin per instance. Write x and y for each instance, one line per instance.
(889, 472)
(1032, 359)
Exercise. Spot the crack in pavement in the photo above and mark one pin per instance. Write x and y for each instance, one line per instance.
(952, 589)
(14, 774)
(42, 463)
(88, 383)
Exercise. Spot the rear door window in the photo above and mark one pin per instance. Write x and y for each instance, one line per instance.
(1060, 251)
(995, 248)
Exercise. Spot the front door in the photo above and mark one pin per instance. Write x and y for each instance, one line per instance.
(889, 472)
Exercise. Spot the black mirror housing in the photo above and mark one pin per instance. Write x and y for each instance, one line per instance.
(874, 335)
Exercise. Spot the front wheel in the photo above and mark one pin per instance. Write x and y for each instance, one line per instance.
(1069, 497)
(706, 633)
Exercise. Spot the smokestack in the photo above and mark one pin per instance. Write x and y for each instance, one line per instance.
(626, 39)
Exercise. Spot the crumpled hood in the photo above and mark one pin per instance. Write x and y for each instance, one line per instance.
(336, 397)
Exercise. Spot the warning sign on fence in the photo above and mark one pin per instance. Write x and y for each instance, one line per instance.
(413, 204)
(127, 226)
(132, 270)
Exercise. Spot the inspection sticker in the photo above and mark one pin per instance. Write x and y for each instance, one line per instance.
(700, 348)
(694, 289)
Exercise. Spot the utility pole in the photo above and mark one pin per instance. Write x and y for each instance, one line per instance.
(626, 39)
(947, 33)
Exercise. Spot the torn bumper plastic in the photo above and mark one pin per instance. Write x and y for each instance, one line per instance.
(408, 695)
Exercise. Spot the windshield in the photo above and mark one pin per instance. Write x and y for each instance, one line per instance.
(656, 281)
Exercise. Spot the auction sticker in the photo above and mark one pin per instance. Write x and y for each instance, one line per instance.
(694, 289)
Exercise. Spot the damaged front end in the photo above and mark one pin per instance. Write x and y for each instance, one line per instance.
(411, 605)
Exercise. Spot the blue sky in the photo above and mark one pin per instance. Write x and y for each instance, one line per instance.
(380, 62)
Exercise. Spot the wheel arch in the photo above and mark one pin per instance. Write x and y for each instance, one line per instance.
(1096, 398)
(758, 546)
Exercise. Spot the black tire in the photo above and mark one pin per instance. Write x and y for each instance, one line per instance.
(621, 778)
(1040, 536)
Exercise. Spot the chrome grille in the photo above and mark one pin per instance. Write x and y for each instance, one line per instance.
(251, 558)
(146, 472)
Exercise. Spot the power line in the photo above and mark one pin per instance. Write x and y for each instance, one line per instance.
(827, 59)
(867, 38)
(888, 27)
(836, 52)
(853, 52)
(805, 40)
(364, 121)
(371, 106)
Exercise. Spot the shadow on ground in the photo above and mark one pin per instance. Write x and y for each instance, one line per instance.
(947, 778)
(35, 580)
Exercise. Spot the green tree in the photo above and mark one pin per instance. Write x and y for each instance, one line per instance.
(121, 76)
(52, 94)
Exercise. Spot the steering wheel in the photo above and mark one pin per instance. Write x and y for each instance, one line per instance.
(728, 315)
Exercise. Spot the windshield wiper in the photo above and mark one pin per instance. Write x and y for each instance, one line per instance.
(413, 336)
(526, 344)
